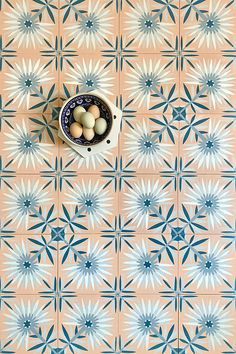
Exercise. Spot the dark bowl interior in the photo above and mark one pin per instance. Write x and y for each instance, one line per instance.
(85, 101)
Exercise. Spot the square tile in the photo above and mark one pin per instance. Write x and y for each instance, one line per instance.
(206, 205)
(147, 323)
(86, 264)
(208, 322)
(29, 142)
(87, 73)
(209, 25)
(148, 142)
(28, 205)
(207, 262)
(29, 85)
(89, 323)
(87, 204)
(151, 84)
(150, 203)
(95, 28)
(149, 263)
(27, 25)
(207, 143)
(148, 25)
(208, 85)
(28, 262)
(32, 322)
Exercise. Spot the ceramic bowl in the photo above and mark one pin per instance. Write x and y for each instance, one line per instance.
(85, 100)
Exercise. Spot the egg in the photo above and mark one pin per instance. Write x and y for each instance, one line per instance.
(94, 110)
(87, 120)
(77, 113)
(100, 126)
(88, 134)
(76, 130)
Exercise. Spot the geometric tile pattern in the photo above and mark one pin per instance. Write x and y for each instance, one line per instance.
(132, 250)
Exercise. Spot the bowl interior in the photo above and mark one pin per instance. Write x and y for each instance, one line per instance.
(85, 101)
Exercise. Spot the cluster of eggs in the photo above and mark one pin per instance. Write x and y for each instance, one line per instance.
(87, 123)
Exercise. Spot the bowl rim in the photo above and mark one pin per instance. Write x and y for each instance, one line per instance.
(91, 93)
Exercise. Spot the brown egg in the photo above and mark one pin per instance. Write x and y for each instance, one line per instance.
(76, 130)
(88, 134)
(94, 110)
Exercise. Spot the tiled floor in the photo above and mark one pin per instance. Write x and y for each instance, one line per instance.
(133, 250)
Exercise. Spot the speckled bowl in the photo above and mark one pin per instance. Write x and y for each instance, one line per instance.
(85, 100)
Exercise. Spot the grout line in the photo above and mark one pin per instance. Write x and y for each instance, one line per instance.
(58, 155)
(119, 155)
(98, 294)
(161, 174)
(178, 192)
(147, 233)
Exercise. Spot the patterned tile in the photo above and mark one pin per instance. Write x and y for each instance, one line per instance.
(131, 250)
(20, 145)
(148, 26)
(151, 83)
(149, 323)
(29, 25)
(209, 267)
(208, 324)
(89, 266)
(149, 263)
(27, 324)
(87, 204)
(206, 203)
(209, 83)
(149, 143)
(95, 28)
(27, 205)
(29, 85)
(208, 26)
(28, 263)
(87, 73)
(150, 202)
(88, 324)
(207, 143)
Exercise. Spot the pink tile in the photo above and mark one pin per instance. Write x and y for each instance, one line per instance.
(209, 322)
(89, 203)
(29, 85)
(207, 204)
(87, 264)
(90, 319)
(32, 321)
(26, 202)
(29, 142)
(209, 266)
(150, 75)
(149, 314)
(148, 25)
(207, 143)
(25, 264)
(149, 262)
(147, 143)
(146, 200)
(209, 83)
(209, 26)
(89, 27)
